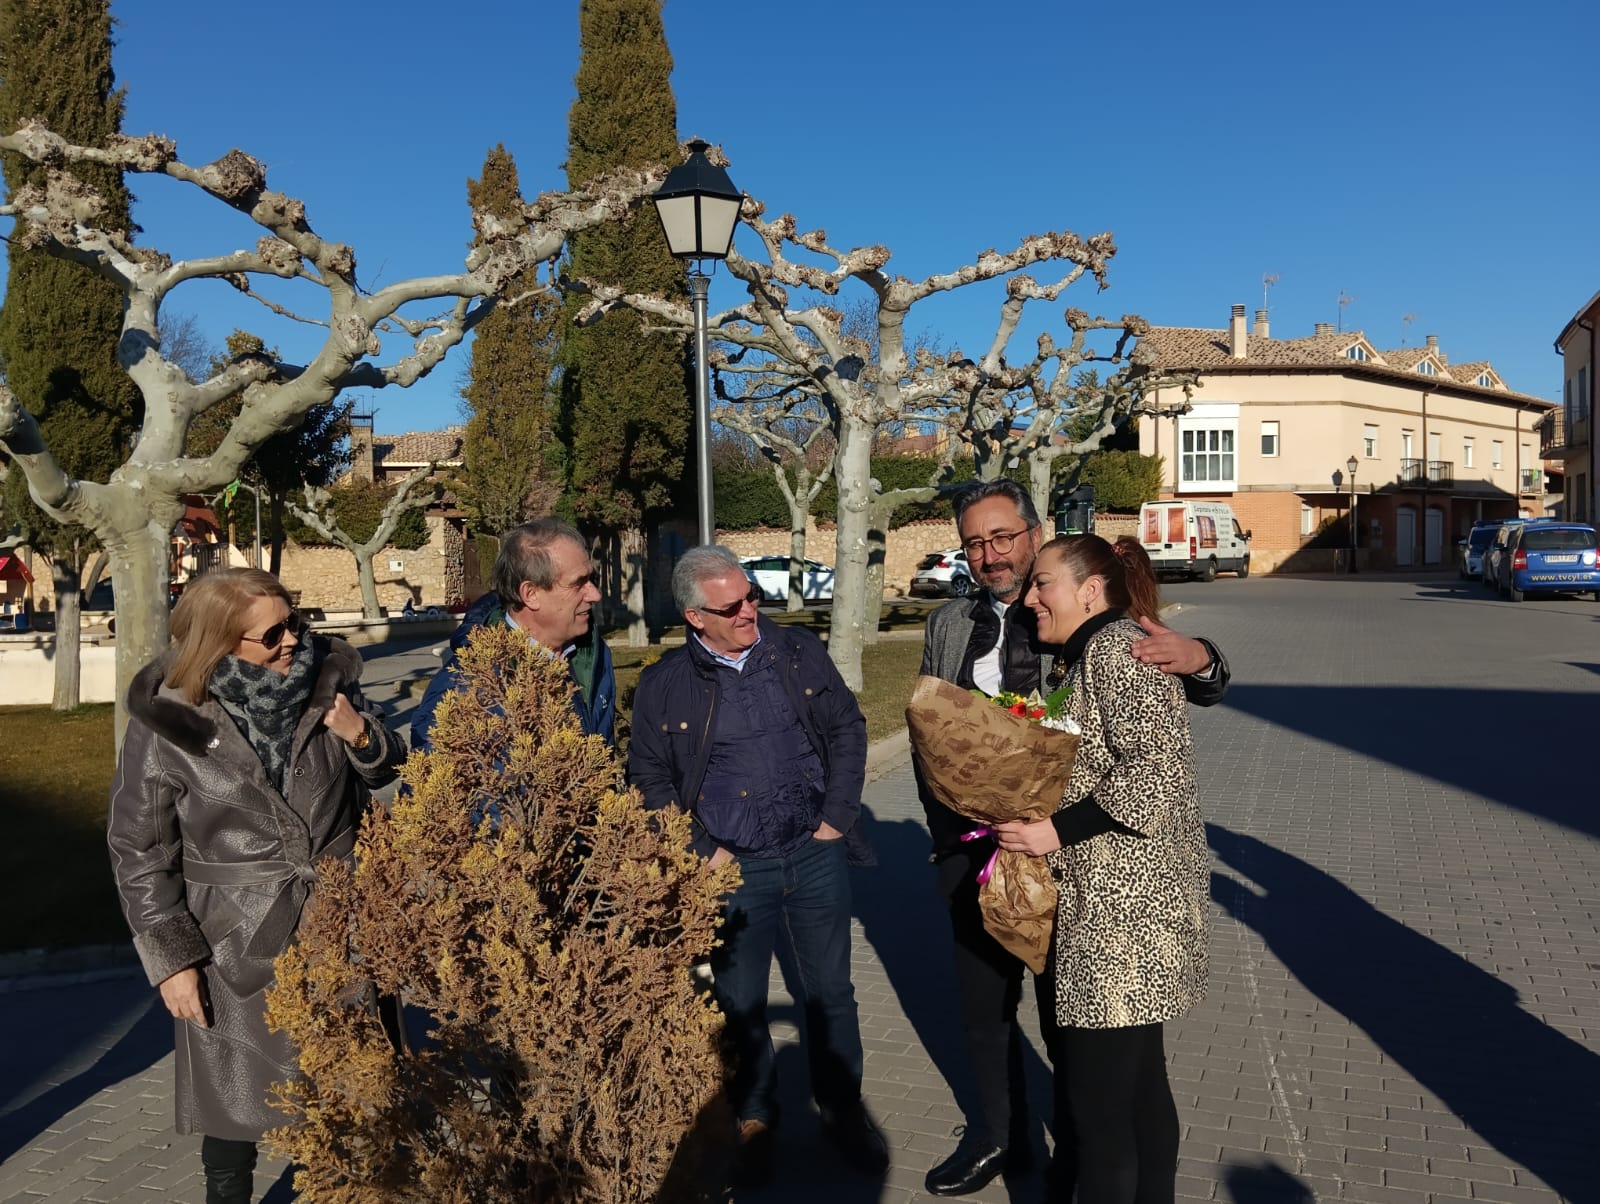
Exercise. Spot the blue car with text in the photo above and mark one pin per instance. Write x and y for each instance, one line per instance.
(1552, 558)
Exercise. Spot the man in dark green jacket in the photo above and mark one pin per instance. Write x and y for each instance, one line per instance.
(543, 586)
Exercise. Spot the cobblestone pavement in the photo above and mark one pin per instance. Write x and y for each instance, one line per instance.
(1405, 995)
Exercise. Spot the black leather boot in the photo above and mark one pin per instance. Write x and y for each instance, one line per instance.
(230, 1168)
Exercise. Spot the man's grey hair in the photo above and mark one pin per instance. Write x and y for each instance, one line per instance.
(525, 556)
(697, 566)
(1008, 489)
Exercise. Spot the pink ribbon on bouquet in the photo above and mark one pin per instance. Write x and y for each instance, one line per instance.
(988, 866)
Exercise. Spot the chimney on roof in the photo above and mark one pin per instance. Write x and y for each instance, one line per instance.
(1323, 328)
(1238, 341)
(1262, 329)
(1433, 346)
(362, 466)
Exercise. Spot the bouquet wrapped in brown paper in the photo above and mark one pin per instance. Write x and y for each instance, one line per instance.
(993, 765)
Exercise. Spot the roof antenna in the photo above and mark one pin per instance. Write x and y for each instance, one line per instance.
(1344, 299)
(1266, 283)
(1405, 321)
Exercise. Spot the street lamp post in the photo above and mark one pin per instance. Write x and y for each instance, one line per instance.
(699, 209)
(1352, 464)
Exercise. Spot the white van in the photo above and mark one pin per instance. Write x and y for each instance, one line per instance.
(1194, 539)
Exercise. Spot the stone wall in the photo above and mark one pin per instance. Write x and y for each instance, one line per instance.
(325, 578)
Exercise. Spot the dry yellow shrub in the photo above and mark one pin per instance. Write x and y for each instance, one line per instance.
(522, 897)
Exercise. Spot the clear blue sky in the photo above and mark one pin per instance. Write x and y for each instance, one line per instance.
(1428, 158)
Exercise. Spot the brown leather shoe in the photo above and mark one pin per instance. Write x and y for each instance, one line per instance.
(752, 1163)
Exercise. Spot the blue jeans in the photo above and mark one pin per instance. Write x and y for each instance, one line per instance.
(805, 896)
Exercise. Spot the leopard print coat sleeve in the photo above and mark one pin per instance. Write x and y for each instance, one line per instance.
(1130, 939)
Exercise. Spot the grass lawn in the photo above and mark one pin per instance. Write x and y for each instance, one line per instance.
(55, 782)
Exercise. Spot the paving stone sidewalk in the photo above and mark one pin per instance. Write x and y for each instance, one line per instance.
(1405, 992)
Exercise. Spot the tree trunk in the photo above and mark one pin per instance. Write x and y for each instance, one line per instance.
(988, 462)
(275, 518)
(141, 574)
(797, 559)
(64, 573)
(632, 549)
(97, 570)
(877, 553)
(1039, 486)
(369, 583)
(853, 476)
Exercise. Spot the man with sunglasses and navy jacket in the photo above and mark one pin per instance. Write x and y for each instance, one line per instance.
(750, 729)
(543, 586)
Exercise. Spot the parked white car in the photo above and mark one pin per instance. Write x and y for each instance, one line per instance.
(942, 575)
(771, 574)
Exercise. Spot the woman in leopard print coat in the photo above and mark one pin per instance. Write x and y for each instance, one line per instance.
(1128, 852)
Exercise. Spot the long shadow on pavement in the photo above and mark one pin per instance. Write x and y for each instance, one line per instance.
(1266, 1183)
(1437, 733)
(48, 1030)
(1522, 1086)
(908, 927)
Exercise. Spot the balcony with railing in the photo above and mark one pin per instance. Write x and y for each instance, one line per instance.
(1422, 474)
(1531, 482)
(1552, 435)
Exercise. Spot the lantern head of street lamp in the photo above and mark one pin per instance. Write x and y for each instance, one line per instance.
(698, 207)
(1352, 464)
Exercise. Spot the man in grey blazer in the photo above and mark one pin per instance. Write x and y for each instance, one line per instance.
(988, 642)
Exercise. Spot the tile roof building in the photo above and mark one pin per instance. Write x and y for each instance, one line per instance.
(1274, 421)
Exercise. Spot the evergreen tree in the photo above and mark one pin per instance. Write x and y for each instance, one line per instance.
(624, 398)
(60, 323)
(569, 1056)
(512, 463)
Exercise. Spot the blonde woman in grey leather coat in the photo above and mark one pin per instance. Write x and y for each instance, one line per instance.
(248, 758)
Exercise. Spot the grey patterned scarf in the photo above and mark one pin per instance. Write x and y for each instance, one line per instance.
(267, 705)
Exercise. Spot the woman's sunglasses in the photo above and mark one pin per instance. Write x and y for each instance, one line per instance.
(273, 636)
(727, 612)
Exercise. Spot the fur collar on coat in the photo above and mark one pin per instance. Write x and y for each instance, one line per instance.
(169, 715)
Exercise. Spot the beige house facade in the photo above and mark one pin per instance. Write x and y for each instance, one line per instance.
(1569, 431)
(1273, 424)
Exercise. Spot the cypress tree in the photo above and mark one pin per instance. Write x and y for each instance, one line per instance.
(60, 323)
(624, 398)
(512, 465)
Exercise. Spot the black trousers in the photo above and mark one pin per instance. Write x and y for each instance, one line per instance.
(1122, 1113)
(989, 985)
(230, 1168)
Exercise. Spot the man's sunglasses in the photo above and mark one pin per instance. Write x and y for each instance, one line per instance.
(273, 636)
(727, 612)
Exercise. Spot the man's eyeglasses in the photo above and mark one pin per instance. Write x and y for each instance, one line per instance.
(273, 636)
(727, 612)
(998, 544)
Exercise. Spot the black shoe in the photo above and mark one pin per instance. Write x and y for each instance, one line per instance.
(973, 1164)
(752, 1162)
(860, 1141)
